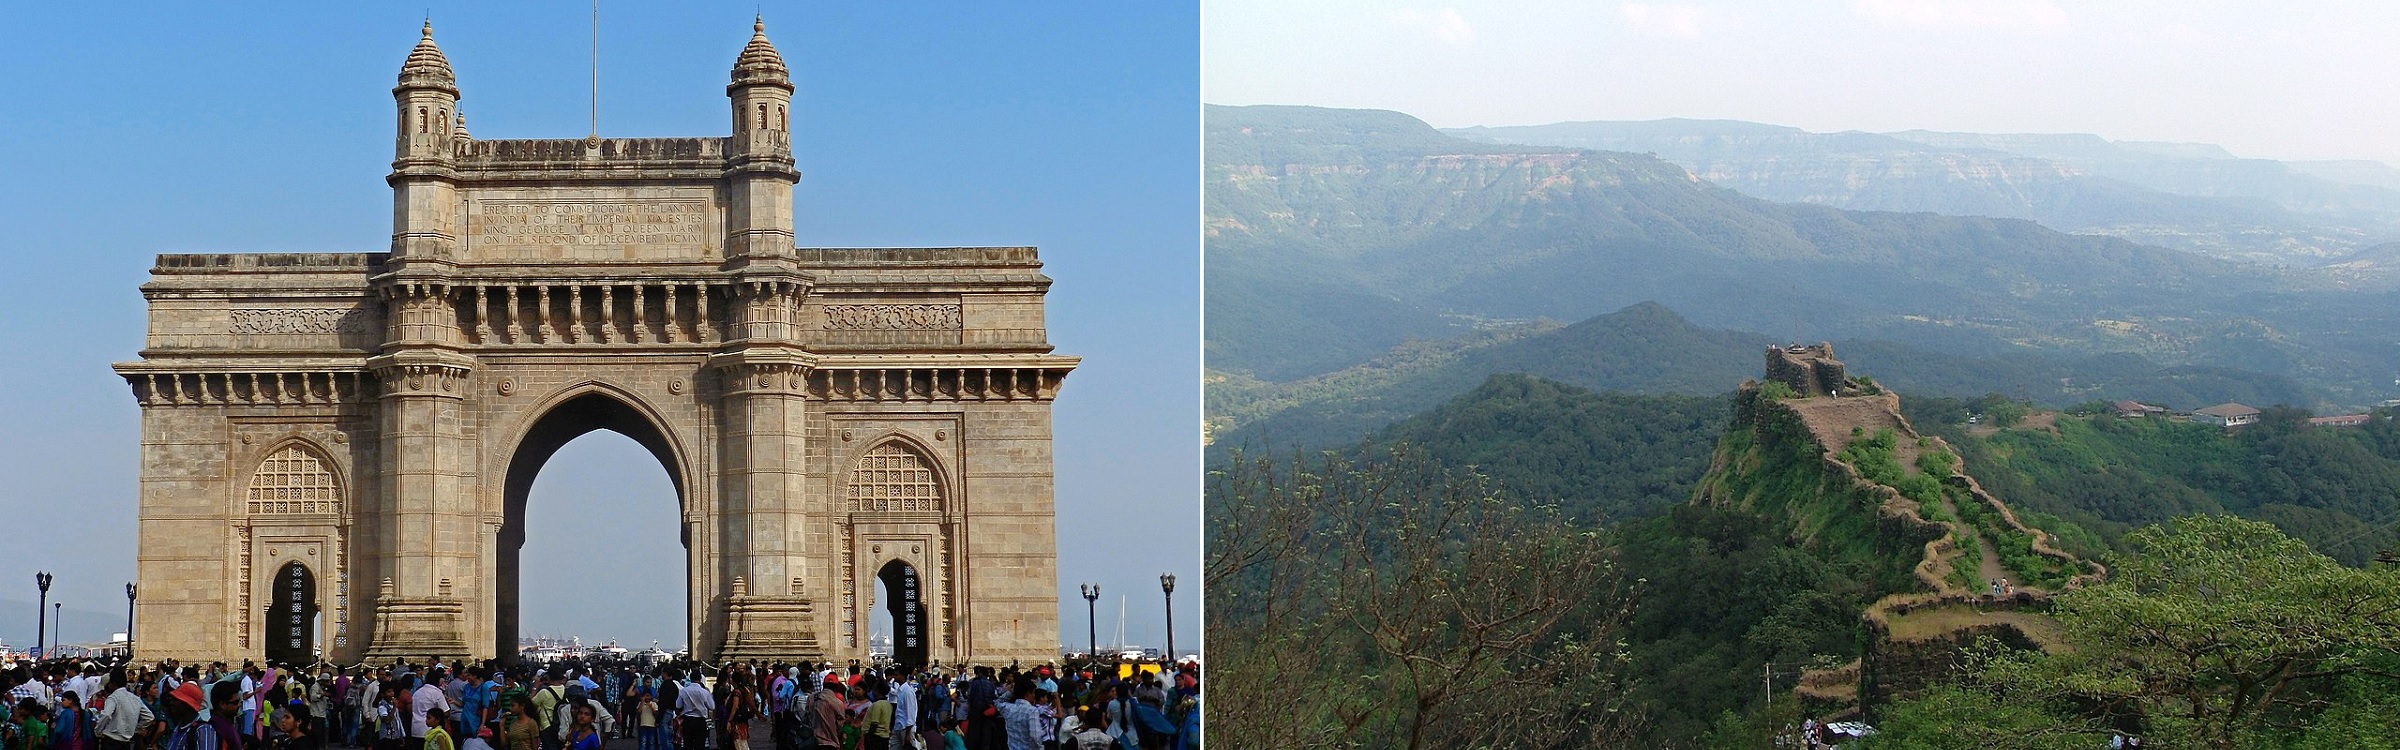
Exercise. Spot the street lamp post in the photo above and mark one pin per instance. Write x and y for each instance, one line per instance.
(1166, 582)
(129, 620)
(1091, 601)
(41, 625)
(58, 611)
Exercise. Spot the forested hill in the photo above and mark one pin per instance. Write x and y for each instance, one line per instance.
(2337, 488)
(1646, 348)
(1335, 235)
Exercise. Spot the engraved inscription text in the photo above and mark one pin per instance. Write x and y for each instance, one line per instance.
(672, 224)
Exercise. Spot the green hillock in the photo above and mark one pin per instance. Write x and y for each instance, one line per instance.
(1768, 463)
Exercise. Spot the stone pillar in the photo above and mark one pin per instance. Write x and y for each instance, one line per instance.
(764, 505)
(429, 528)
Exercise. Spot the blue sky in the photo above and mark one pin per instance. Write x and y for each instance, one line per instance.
(2306, 80)
(134, 129)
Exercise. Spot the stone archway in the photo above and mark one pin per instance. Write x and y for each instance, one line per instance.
(538, 289)
(562, 419)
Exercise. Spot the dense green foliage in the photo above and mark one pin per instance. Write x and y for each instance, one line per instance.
(1390, 602)
(1774, 569)
(2213, 632)
(1598, 456)
(2338, 488)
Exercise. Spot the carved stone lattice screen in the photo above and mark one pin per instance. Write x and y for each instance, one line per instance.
(892, 478)
(293, 481)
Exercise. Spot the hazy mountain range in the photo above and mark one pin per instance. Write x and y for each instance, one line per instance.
(2182, 195)
(1338, 237)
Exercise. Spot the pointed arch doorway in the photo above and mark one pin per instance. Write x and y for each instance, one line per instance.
(905, 600)
(292, 616)
(569, 418)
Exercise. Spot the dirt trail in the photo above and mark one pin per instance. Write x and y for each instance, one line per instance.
(1943, 620)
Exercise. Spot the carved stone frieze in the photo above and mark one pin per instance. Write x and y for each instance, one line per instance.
(300, 320)
(893, 318)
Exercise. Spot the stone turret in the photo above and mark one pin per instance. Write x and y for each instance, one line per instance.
(424, 183)
(1808, 370)
(760, 157)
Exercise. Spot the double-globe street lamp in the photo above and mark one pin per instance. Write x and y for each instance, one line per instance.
(1166, 582)
(1091, 601)
(41, 625)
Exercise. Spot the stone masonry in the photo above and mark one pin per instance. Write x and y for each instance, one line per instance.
(379, 417)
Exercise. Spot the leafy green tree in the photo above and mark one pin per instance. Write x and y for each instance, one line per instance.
(2216, 633)
(1389, 602)
(1955, 717)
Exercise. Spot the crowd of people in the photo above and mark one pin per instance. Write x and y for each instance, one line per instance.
(63, 705)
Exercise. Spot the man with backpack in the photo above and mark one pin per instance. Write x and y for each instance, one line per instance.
(548, 695)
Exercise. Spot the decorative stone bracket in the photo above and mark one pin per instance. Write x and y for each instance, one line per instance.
(423, 374)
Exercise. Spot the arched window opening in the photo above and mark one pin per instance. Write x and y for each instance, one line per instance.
(420, 119)
(893, 479)
(294, 480)
(762, 116)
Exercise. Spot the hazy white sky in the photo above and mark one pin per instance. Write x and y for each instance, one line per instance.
(2284, 80)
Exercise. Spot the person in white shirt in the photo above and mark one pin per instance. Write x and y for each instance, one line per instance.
(904, 710)
(427, 696)
(124, 715)
(32, 687)
(249, 698)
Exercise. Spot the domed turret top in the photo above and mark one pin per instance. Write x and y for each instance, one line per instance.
(759, 64)
(426, 67)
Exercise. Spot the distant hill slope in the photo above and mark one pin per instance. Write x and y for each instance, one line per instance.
(1649, 349)
(2069, 183)
(1336, 235)
(2338, 488)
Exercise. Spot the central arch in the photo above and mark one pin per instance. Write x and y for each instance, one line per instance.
(572, 414)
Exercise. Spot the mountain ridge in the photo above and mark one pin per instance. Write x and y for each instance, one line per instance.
(1327, 257)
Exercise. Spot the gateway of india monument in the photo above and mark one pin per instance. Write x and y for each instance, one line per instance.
(337, 447)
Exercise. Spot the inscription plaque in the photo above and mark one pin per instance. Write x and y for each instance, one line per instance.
(588, 228)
